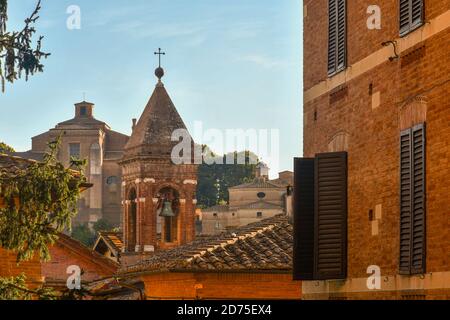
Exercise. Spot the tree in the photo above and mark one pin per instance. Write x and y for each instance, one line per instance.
(215, 179)
(40, 202)
(18, 54)
(4, 148)
(83, 234)
(15, 288)
(86, 235)
(102, 225)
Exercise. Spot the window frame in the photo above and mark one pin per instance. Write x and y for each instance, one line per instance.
(70, 150)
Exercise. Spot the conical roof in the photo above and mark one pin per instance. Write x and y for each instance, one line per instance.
(152, 134)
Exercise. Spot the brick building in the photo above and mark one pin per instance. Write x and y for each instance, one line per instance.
(375, 189)
(85, 137)
(250, 262)
(158, 195)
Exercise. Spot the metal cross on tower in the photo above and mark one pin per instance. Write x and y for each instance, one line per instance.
(160, 53)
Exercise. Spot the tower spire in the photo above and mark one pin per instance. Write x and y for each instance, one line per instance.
(159, 72)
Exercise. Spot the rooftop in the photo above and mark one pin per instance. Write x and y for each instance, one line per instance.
(264, 246)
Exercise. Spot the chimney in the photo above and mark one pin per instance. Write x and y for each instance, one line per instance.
(134, 123)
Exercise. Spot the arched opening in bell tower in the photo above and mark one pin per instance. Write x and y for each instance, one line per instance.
(132, 220)
(168, 212)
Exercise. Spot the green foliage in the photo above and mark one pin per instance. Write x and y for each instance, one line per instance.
(86, 235)
(41, 199)
(4, 148)
(102, 225)
(83, 234)
(17, 54)
(215, 179)
(15, 288)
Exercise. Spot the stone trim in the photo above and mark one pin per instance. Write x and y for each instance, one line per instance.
(435, 280)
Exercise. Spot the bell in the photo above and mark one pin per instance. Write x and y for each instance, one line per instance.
(167, 210)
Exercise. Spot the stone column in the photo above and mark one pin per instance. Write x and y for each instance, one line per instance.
(138, 215)
(149, 219)
(181, 223)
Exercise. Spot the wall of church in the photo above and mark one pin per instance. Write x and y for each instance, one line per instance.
(239, 197)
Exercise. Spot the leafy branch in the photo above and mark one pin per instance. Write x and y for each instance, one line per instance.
(41, 200)
(17, 55)
(15, 288)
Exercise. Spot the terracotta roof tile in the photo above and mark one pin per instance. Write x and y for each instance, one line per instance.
(264, 245)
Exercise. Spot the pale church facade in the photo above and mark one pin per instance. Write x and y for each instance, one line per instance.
(250, 202)
(85, 137)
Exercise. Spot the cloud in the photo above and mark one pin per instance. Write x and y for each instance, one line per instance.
(263, 61)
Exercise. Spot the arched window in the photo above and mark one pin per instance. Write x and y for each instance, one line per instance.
(132, 220)
(112, 182)
(167, 211)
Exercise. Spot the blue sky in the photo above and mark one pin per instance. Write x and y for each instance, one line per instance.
(229, 63)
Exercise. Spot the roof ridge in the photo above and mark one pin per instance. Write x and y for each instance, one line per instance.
(232, 241)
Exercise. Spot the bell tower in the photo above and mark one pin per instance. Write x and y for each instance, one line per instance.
(158, 193)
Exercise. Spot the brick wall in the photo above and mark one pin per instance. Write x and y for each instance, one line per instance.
(372, 129)
(62, 256)
(10, 268)
(221, 286)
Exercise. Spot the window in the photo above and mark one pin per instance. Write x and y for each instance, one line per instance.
(83, 111)
(74, 150)
(259, 214)
(412, 201)
(112, 183)
(112, 180)
(337, 46)
(411, 15)
(320, 220)
(214, 214)
(261, 195)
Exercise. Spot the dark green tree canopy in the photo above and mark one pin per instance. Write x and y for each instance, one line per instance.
(215, 179)
(41, 199)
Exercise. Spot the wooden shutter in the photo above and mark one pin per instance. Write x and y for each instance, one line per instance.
(341, 54)
(303, 219)
(405, 201)
(331, 216)
(411, 15)
(337, 26)
(332, 36)
(418, 199)
(412, 201)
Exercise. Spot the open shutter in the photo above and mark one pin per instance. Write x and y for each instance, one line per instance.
(303, 219)
(331, 216)
(412, 201)
(418, 199)
(405, 202)
(336, 35)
